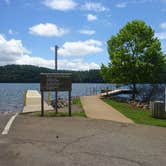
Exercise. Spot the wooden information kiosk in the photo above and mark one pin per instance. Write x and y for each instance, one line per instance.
(55, 82)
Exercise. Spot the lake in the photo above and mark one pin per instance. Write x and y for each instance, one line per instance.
(12, 95)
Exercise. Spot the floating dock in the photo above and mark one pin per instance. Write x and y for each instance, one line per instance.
(116, 92)
(32, 102)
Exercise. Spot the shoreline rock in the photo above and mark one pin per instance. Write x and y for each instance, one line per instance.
(136, 104)
(62, 102)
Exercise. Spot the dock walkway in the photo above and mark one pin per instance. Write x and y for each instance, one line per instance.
(95, 108)
(116, 92)
(33, 102)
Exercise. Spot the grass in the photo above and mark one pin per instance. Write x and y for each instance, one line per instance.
(60, 114)
(137, 115)
(76, 101)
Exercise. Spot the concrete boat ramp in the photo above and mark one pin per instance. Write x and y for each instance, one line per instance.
(93, 106)
(32, 102)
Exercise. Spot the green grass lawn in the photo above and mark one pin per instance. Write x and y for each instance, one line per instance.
(76, 101)
(137, 115)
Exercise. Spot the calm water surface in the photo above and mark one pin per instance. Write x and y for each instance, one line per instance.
(12, 95)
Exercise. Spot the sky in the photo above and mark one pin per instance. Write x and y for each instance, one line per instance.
(29, 29)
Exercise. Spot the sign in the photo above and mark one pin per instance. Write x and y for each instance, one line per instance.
(56, 82)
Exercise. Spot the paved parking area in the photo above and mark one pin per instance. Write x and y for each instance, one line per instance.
(4, 117)
(69, 141)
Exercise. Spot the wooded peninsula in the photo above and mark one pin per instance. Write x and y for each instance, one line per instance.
(31, 74)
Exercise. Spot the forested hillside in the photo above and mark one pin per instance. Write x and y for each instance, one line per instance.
(31, 74)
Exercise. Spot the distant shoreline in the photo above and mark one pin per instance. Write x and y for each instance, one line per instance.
(31, 74)
(39, 83)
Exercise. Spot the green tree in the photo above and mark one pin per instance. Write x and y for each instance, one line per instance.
(135, 56)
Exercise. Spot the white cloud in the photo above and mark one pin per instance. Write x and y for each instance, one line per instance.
(163, 25)
(47, 30)
(36, 61)
(13, 52)
(80, 48)
(63, 64)
(91, 17)
(62, 5)
(124, 3)
(121, 5)
(161, 35)
(87, 32)
(97, 7)
(77, 64)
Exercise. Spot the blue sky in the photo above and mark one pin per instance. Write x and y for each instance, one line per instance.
(29, 29)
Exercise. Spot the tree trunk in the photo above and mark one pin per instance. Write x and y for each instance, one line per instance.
(134, 91)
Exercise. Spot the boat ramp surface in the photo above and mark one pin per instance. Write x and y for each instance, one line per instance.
(32, 102)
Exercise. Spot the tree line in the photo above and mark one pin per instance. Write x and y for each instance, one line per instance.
(31, 74)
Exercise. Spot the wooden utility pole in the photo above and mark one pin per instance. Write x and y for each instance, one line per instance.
(165, 97)
(56, 57)
(42, 103)
(56, 69)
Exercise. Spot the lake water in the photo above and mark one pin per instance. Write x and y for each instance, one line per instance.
(12, 95)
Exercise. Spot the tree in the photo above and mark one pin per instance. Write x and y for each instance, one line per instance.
(135, 56)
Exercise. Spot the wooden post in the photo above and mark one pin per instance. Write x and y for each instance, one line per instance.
(49, 98)
(25, 98)
(69, 102)
(56, 100)
(107, 90)
(42, 103)
(56, 57)
(165, 97)
(56, 69)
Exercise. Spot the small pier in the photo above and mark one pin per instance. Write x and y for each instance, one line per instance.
(116, 92)
(32, 102)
